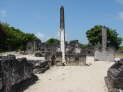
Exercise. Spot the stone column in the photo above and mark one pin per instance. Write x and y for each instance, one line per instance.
(104, 39)
(62, 34)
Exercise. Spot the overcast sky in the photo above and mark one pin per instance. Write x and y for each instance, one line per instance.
(41, 17)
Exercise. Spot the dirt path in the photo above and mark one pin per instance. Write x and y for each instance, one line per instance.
(73, 79)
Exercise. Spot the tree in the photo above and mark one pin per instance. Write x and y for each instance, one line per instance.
(95, 37)
(2, 37)
(12, 38)
(52, 41)
(121, 48)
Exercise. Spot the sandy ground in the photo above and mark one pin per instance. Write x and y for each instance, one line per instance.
(73, 79)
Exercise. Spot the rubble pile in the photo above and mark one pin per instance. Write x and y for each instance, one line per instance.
(38, 54)
(13, 71)
(114, 79)
(40, 66)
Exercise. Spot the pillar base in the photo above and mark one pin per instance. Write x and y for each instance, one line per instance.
(64, 63)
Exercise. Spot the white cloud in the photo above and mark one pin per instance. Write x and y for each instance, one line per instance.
(41, 36)
(44, 37)
(3, 13)
(120, 15)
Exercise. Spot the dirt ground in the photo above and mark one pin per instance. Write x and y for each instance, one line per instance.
(73, 79)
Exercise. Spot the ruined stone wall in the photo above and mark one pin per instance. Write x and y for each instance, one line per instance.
(114, 78)
(13, 71)
(106, 55)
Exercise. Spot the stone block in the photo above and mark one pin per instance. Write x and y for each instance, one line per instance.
(13, 71)
(114, 79)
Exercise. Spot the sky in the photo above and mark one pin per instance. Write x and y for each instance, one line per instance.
(42, 17)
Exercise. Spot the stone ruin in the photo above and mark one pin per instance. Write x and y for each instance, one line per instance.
(13, 71)
(33, 46)
(40, 66)
(75, 54)
(104, 53)
(71, 52)
(114, 78)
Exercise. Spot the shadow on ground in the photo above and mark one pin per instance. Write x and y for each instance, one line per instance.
(25, 84)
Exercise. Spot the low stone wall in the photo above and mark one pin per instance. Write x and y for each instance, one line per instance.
(76, 59)
(107, 55)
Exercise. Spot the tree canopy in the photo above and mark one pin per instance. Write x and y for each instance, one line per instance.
(52, 41)
(13, 39)
(95, 37)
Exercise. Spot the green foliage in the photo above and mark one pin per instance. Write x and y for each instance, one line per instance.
(95, 37)
(85, 45)
(121, 48)
(52, 41)
(14, 39)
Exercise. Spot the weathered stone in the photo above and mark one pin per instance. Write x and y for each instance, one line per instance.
(39, 54)
(40, 67)
(13, 71)
(76, 55)
(104, 38)
(114, 79)
(33, 46)
(104, 53)
(62, 35)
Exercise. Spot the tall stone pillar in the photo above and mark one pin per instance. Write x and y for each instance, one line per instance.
(104, 39)
(106, 54)
(62, 34)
